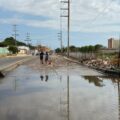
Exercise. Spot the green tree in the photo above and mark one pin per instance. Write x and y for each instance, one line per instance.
(10, 41)
(72, 48)
(2, 44)
(58, 50)
(98, 47)
(13, 49)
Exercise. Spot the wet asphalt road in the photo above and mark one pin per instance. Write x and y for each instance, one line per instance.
(59, 91)
(10, 60)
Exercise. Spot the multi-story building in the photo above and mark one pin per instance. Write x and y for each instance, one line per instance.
(113, 43)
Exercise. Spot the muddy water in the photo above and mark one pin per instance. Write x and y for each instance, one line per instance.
(63, 93)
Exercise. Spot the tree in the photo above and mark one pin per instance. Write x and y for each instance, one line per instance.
(10, 41)
(98, 47)
(2, 44)
(13, 49)
(58, 50)
(72, 48)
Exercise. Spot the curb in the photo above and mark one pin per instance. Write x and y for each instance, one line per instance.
(102, 71)
(71, 60)
(6, 69)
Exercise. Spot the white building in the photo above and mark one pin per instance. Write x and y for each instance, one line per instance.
(23, 50)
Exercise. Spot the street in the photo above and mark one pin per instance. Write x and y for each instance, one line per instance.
(62, 90)
(9, 60)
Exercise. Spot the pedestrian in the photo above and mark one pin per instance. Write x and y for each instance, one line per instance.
(46, 57)
(41, 56)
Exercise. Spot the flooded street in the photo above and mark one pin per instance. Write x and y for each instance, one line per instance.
(61, 91)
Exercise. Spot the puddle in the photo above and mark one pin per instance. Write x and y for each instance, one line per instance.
(58, 94)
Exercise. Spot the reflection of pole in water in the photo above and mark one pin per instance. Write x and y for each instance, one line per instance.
(68, 100)
(14, 83)
(118, 100)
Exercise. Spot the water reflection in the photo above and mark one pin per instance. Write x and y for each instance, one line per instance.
(66, 104)
(75, 95)
(118, 83)
(97, 81)
(68, 99)
(44, 78)
(41, 77)
(0, 81)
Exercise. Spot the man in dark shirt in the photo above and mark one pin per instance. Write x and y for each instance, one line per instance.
(46, 57)
(41, 56)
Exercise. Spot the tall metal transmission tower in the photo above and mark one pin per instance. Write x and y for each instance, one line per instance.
(15, 33)
(68, 22)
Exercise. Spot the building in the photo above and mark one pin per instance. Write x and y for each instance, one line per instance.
(43, 48)
(23, 50)
(4, 51)
(113, 43)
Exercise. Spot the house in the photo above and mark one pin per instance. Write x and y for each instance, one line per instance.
(23, 50)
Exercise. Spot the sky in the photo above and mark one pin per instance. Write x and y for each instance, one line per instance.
(91, 21)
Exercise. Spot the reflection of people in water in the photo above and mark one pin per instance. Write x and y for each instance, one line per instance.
(41, 77)
(46, 78)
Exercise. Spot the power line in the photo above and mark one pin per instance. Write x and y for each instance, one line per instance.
(99, 14)
(104, 9)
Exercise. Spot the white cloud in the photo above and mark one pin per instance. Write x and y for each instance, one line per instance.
(86, 15)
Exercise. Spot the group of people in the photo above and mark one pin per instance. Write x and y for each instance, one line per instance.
(44, 56)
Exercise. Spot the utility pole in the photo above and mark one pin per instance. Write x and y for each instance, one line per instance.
(119, 53)
(28, 39)
(15, 33)
(60, 34)
(60, 39)
(68, 23)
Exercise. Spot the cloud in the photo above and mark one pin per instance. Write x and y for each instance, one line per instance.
(86, 15)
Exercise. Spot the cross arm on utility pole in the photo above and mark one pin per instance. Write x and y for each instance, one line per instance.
(64, 8)
(64, 16)
(64, 1)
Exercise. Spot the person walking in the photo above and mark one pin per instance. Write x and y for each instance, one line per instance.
(46, 57)
(41, 56)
